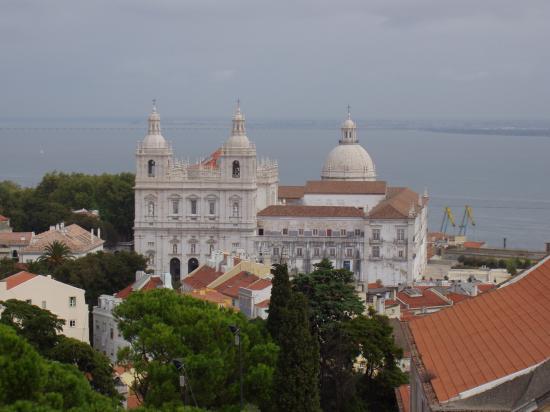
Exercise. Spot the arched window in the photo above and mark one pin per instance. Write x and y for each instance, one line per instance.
(235, 209)
(151, 209)
(151, 259)
(151, 168)
(236, 169)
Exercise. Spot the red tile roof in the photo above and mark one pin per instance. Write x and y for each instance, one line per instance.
(291, 192)
(485, 287)
(3, 218)
(428, 299)
(345, 187)
(311, 211)
(473, 245)
(487, 337)
(397, 204)
(17, 279)
(231, 286)
(153, 283)
(15, 238)
(403, 395)
(457, 297)
(211, 295)
(260, 284)
(204, 276)
(76, 238)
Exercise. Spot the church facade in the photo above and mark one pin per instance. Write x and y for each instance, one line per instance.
(232, 202)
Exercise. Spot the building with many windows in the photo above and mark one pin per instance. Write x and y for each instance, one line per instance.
(233, 202)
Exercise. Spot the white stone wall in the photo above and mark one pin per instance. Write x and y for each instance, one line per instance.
(106, 335)
(47, 293)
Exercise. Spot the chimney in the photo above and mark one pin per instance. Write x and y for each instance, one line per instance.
(91, 235)
(99, 233)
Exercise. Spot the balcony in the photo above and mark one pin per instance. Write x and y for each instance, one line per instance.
(378, 241)
(399, 241)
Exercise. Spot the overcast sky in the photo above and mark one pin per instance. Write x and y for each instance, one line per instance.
(283, 58)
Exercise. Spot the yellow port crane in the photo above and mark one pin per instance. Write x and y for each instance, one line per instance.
(447, 218)
(468, 217)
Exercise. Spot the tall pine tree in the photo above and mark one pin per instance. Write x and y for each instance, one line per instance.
(297, 376)
(280, 297)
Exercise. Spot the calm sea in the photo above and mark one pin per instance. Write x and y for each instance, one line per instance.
(502, 171)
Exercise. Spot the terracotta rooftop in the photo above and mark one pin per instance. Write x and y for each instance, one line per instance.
(473, 245)
(335, 187)
(78, 239)
(291, 192)
(154, 282)
(397, 204)
(3, 218)
(17, 279)
(427, 299)
(491, 336)
(211, 295)
(311, 211)
(15, 238)
(263, 304)
(260, 284)
(204, 276)
(403, 396)
(231, 286)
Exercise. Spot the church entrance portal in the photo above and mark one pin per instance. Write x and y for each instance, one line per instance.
(192, 264)
(175, 271)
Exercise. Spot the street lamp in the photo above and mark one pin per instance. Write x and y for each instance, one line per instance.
(237, 333)
(180, 367)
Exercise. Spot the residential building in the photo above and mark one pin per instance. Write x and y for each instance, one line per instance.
(490, 352)
(11, 243)
(65, 301)
(78, 240)
(4, 224)
(107, 337)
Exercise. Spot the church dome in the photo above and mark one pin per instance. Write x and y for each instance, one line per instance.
(238, 138)
(349, 160)
(154, 138)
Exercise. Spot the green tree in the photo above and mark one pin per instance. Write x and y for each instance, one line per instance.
(297, 374)
(38, 326)
(163, 325)
(89, 361)
(55, 254)
(7, 267)
(101, 272)
(280, 295)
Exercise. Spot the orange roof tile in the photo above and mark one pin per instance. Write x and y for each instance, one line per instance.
(211, 295)
(473, 245)
(457, 297)
(311, 211)
(17, 279)
(231, 286)
(204, 276)
(76, 238)
(263, 304)
(397, 204)
(260, 284)
(428, 299)
(154, 282)
(345, 187)
(403, 395)
(3, 218)
(15, 238)
(487, 337)
(291, 192)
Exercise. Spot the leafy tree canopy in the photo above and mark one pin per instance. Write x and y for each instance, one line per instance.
(163, 325)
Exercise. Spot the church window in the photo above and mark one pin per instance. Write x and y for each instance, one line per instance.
(285, 231)
(151, 209)
(316, 251)
(343, 232)
(211, 248)
(332, 252)
(400, 234)
(174, 248)
(193, 248)
(235, 209)
(151, 259)
(175, 207)
(329, 232)
(212, 207)
(151, 168)
(193, 206)
(315, 232)
(375, 234)
(357, 232)
(376, 251)
(260, 232)
(299, 251)
(235, 245)
(301, 232)
(276, 251)
(400, 254)
(349, 252)
(236, 169)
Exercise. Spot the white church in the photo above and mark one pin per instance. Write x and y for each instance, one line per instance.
(233, 202)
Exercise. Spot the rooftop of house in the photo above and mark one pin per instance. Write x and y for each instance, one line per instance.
(15, 238)
(3, 218)
(486, 339)
(143, 282)
(211, 295)
(17, 279)
(202, 277)
(76, 238)
(399, 203)
(231, 286)
(403, 397)
(263, 304)
(420, 297)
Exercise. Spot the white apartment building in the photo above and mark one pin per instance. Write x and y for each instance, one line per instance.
(65, 301)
